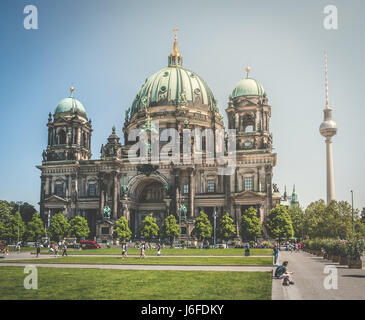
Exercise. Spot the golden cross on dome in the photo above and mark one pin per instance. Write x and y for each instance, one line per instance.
(175, 32)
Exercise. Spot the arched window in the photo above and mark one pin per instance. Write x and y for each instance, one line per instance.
(62, 137)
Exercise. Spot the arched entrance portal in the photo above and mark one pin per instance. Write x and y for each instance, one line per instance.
(148, 195)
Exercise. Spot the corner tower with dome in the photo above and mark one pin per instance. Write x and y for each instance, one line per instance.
(110, 186)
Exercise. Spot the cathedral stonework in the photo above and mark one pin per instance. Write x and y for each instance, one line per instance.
(103, 190)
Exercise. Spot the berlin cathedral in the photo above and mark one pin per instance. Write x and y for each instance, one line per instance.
(104, 189)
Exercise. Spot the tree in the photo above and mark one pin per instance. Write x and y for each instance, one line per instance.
(279, 224)
(297, 217)
(250, 225)
(331, 221)
(26, 210)
(35, 229)
(312, 217)
(363, 215)
(202, 227)
(122, 231)
(149, 228)
(59, 227)
(226, 228)
(2, 230)
(79, 227)
(5, 211)
(14, 228)
(170, 229)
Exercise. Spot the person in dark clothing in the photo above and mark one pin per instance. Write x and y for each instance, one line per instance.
(38, 249)
(64, 250)
(276, 254)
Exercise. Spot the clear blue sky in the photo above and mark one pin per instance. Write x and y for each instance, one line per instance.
(106, 49)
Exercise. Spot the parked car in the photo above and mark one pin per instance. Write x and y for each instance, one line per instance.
(89, 244)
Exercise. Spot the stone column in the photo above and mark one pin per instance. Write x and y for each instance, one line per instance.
(43, 187)
(78, 135)
(69, 186)
(126, 213)
(176, 173)
(101, 196)
(46, 191)
(237, 214)
(115, 196)
(52, 186)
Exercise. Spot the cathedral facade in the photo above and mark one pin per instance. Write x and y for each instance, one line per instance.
(102, 190)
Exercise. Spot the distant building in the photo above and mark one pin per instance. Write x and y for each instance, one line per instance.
(289, 201)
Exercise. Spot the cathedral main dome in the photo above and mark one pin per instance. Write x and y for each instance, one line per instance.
(174, 85)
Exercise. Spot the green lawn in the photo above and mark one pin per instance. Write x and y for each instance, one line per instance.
(99, 284)
(225, 261)
(183, 252)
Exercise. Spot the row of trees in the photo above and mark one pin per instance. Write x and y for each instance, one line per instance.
(226, 228)
(319, 220)
(14, 227)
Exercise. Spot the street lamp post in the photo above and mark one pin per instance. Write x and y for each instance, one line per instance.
(48, 222)
(18, 226)
(352, 209)
(215, 222)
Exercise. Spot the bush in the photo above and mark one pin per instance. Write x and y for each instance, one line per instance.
(355, 248)
(342, 249)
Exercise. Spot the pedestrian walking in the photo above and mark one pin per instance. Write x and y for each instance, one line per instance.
(124, 250)
(64, 250)
(18, 247)
(247, 250)
(296, 248)
(276, 254)
(142, 255)
(158, 249)
(38, 249)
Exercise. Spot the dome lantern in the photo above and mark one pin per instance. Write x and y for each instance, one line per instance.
(175, 58)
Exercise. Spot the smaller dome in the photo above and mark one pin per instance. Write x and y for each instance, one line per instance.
(248, 87)
(70, 105)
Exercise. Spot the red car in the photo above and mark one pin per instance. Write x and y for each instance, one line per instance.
(89, 245)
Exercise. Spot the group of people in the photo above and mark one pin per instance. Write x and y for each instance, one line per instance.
(54, 249)
(142, 248)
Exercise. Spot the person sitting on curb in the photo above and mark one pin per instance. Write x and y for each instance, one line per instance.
(282, 272)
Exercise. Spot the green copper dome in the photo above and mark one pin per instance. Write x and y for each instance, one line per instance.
(70, 105)
(248, 87)
(173, 85)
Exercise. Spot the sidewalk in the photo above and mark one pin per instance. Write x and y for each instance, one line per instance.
(309, 280)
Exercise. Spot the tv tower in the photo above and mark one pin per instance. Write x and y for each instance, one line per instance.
(328, 129)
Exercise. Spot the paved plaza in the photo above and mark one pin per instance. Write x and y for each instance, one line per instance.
(309, 279)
